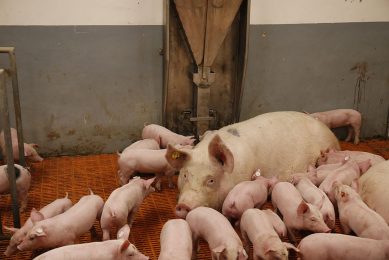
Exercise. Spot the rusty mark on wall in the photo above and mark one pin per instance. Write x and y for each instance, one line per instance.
(360, 85)
(53, 135)
(71, 132)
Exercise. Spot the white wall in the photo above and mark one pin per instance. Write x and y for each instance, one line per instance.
(318, 11)
(81, 12)
(150, 12)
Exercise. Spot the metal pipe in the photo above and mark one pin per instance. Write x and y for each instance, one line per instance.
(15, 89)
(165, 61)
(8, 145)
(18, 113)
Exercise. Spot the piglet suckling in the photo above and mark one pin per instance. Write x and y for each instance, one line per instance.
(119, 249)
(123, 204)
(342, 117)
(317, 175)
(145, 161)
(297, 214)
(23, 181)
(374, 189)
(164, 136)
(355, 215)
(214, 228)
(176, 240)
(246, 195)
(338, 246)
(65, 228)
(54, 208)
(347, 174)
(333, 156)
(29, 149)
(317, 197)
(256, 227)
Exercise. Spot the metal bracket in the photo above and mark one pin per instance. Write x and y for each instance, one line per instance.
(188, 115)
(201, 118)
(204, 77)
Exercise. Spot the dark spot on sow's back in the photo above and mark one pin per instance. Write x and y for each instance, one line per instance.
(233, 131)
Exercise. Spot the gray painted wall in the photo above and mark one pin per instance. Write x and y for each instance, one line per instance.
(311, 67)
(90, 89)
(86, 89)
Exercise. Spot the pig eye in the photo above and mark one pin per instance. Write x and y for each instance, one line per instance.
(210, 182)
(313, 219)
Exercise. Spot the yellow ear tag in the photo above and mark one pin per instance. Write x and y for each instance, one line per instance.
(176, 155)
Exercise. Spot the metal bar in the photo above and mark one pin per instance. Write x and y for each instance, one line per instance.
(166, 61)
(6, 49)
(239, 96)
(18, 113)
(8, 145)
(201, 118)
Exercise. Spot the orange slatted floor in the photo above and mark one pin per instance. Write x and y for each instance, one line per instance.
(55, 176)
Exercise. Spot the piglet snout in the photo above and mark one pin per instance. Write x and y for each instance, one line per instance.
(182, 210)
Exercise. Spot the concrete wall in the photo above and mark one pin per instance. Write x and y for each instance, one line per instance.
(90, 71)
(86, 89)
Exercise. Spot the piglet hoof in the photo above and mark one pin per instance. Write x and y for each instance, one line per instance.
(158, 188)
(23, 207)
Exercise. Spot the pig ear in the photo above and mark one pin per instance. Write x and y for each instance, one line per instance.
(364, 166)
(11, 229)
(148, 182)
(36, 216)
(39, 232)
(335, 186)
(290, 246)
(124, 246)
(176, 157)
(269, 250)
(302, 208)
(191, 139)
(344, 196)
(220, 153)
(124, 232)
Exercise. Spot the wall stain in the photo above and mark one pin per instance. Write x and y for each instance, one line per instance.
(71, 132)
(99, 130)
(53, 135)
(360, 85)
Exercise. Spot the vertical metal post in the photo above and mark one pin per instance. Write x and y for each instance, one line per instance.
(8, 144)
(18, 114)
(15, 89)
